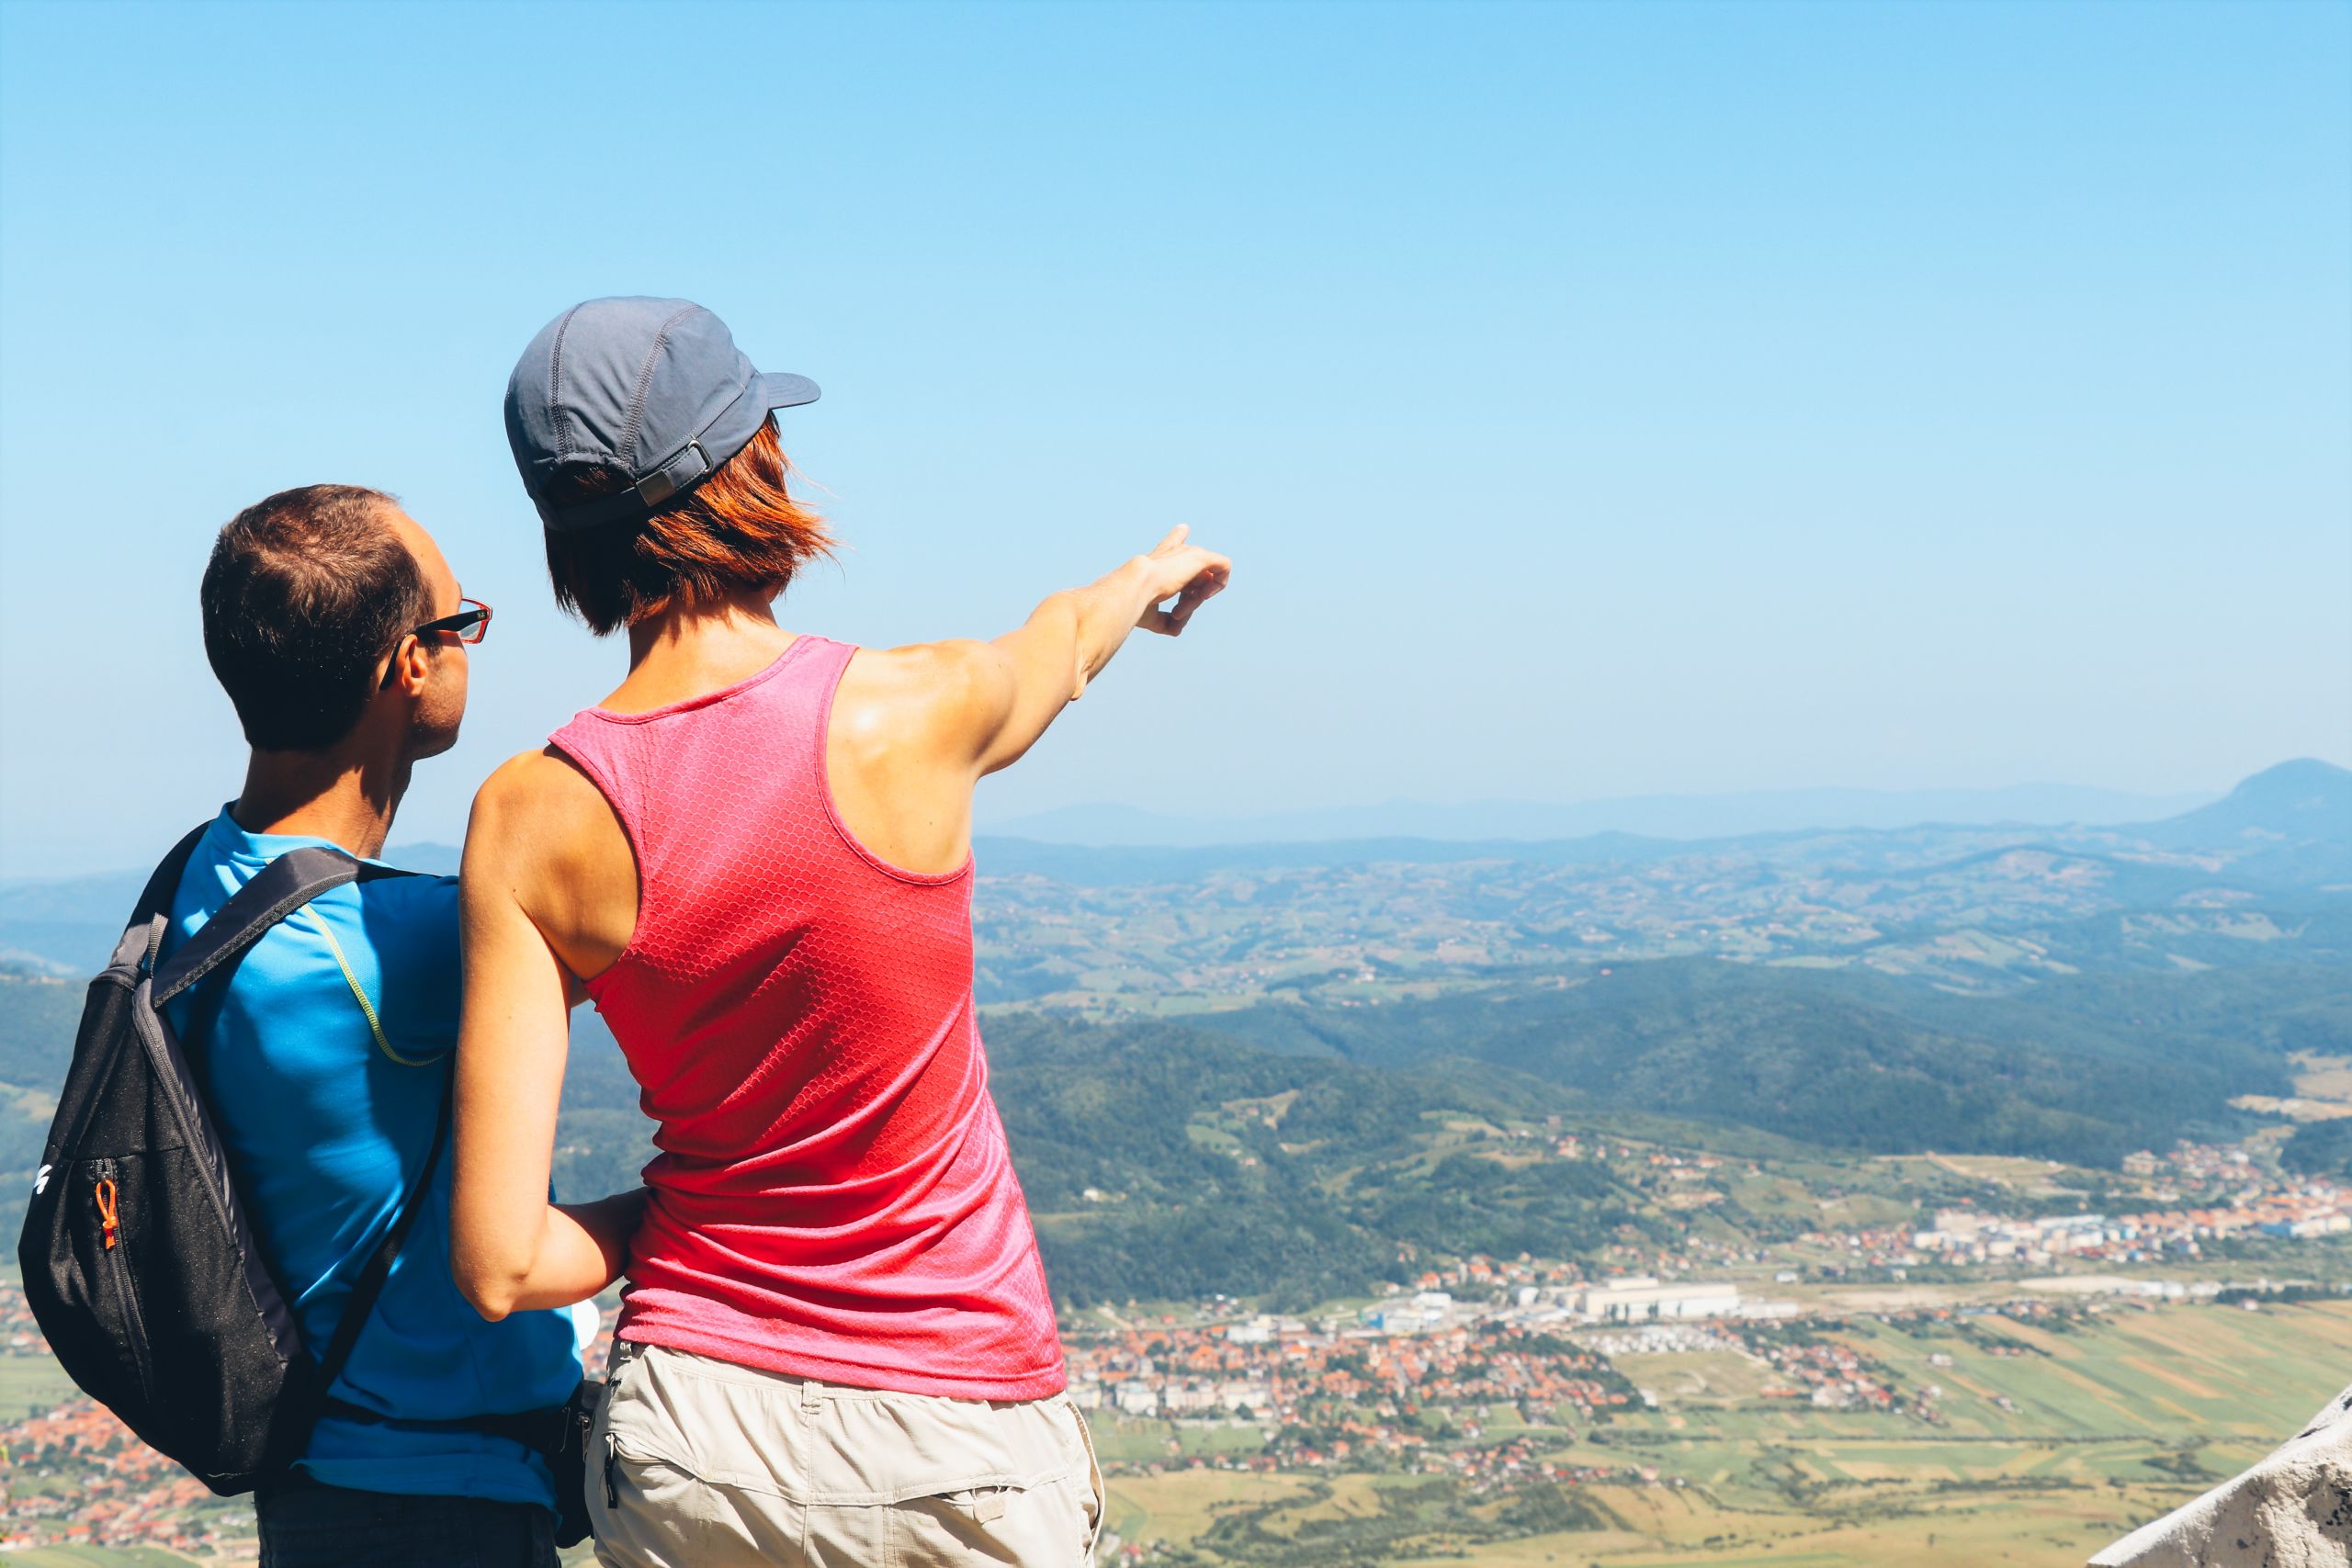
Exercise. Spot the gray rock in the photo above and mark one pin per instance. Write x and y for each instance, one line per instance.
(2293, 1510)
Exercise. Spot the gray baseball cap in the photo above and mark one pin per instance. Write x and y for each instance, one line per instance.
(655, 388)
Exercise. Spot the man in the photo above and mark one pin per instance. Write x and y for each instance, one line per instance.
(339, 634)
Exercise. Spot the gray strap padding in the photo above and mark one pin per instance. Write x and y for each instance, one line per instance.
(684, 466)
(282, 886)
(154, 910)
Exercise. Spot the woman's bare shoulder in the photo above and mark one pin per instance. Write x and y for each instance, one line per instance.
(543, 836)
(540, 814)
(930, 694)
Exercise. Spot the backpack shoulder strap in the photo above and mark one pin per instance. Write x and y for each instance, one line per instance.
(282, 886)
(361, 1304)
(154, 910)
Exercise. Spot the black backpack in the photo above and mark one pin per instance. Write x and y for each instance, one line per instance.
(138, 1258)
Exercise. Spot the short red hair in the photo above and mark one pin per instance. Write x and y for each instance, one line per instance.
(740, 531)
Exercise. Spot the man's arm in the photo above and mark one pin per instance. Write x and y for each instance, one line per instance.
(510, 1249)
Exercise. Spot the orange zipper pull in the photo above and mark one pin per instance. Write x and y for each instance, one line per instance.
(107, 1215)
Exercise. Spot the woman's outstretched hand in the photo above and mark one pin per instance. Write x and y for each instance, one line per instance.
(1187, 574)
(994, 699)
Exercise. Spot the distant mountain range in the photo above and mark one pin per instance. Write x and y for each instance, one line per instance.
(1658, 816)
(2290, 825)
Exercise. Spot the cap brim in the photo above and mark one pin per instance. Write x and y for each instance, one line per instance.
(785, 391)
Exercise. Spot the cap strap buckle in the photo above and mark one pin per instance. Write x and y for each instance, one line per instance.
(684, 466)
(675, 475)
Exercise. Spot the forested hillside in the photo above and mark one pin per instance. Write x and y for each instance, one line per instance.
(1296, 1147)
(38, 1016)
(2084, 1068)
(1300, 1149)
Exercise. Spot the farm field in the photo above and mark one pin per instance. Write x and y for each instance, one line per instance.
(2249, 1376)
(31, 1383)
(2046, 1446)
(1696, 1378)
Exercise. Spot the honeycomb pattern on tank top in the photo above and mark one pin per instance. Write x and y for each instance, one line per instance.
(833, 1197)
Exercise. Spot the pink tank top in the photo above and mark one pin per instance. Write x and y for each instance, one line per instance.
(832, 1199)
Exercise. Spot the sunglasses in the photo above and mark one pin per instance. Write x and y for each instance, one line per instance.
(470, 624)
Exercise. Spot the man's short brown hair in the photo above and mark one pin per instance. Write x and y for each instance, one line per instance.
(304, 593)
(738, 532)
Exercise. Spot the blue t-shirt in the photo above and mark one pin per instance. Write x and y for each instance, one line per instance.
(327, 1112)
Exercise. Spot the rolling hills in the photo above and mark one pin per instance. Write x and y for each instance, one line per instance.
(1281, 1069)
(2077, 1070)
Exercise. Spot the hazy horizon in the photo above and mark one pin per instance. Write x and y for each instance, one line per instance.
(1725, 814)
(1666, 815)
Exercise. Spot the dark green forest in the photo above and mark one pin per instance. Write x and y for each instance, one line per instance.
(2084, 1068)
(2321, 1148)
(1329, 1192)
(37, 1018)
(1294, 1152)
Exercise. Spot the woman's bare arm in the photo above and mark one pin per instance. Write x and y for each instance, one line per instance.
(510, 1248)
(915, 728)
(1022, 681)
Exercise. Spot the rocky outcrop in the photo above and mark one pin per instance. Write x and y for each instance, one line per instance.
(2293, 1510)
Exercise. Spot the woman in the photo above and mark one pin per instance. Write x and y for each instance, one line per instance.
(755, 857)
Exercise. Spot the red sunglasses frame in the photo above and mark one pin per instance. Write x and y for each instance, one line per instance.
(467, 625)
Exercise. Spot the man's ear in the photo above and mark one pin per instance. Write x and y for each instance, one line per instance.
(407, 666)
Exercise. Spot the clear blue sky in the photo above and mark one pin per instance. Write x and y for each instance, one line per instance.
(1598, 401)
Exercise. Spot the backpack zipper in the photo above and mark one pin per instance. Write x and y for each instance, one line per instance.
(108, 1223)
(114, 1261)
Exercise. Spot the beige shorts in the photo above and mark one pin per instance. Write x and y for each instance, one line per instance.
(701, 1464)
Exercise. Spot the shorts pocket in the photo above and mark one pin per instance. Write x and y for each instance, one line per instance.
(1035, 1527)
(651, 1505)
(723, 1425)
(651, 1514)
(879, 1449)
(1100, 1507)
(975, 1483)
